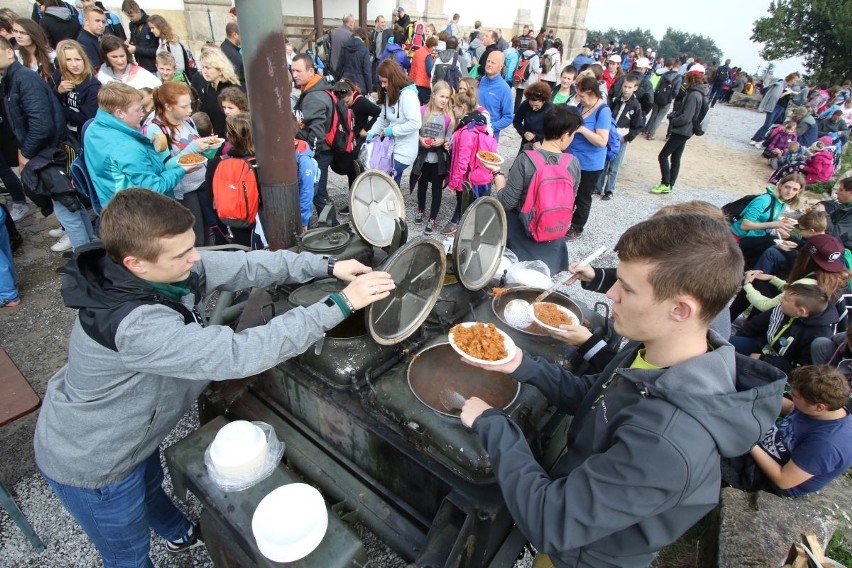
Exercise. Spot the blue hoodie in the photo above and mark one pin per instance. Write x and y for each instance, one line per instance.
(308, 176)
(496, 96)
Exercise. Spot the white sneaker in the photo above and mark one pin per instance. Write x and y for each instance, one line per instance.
(62, 244)
(18, 211)
(56, 233)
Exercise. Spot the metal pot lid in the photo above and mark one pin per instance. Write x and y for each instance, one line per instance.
(479, 243)
(327, 239)
(376, 204)
(310, 294)
(418, 269)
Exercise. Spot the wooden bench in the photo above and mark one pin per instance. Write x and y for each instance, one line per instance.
(17, 399)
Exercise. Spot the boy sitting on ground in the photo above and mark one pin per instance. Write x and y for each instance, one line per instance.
(782, 336)
(809, 448)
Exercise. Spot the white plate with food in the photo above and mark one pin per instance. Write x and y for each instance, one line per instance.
(490, 158)
(482, 343)
(550, 316)
(787, 245)
(215, 142)
(192, 160)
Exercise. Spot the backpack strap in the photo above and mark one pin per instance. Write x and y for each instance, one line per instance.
(536, 158)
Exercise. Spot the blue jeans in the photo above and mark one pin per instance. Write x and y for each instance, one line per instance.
(77, 224)
(8, 283)
(745, 345)
(771, 118)
(610, 171)
(398, 168)
(117, 517)
(11, 181)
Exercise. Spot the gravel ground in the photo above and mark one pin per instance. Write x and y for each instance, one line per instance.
(715, 168)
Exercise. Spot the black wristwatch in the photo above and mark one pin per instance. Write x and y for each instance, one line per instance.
(332, 260)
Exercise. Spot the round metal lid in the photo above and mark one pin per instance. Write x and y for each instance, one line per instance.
(479, 243)
(376, 204)
(326, 240)
(418, 269)
(310, 294)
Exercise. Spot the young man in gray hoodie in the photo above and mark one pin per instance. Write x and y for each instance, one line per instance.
(140, 355)
(642, 460)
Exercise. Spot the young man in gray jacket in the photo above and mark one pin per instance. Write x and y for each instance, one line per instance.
(140, 355)
(642, 462)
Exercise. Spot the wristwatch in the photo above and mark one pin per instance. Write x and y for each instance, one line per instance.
(332, 260)
(500, 173)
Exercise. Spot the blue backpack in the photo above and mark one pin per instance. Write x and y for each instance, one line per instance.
(613, 144)
(82, 183)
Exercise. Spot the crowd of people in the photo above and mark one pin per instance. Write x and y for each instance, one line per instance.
(125, 108)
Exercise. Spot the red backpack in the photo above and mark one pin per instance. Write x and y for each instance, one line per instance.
(549, 204)
(340, 136)
(236, 195)
(522, 71)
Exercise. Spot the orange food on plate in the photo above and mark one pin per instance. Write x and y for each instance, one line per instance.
(480, 340)
(488, 156)
(189, 159)
(550, 314)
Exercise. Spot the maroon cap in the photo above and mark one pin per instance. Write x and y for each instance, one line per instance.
(827, 252)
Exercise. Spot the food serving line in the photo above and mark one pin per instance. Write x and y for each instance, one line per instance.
(361, 412)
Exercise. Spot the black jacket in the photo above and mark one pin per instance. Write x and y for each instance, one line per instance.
(92, 46)
(208, 101)
(58, 23)
(355, 64)
(232, 52)
(145, 42)
(644, 94)
(365, 113)
(81, 103)
(46, 179)
(34, 112)
(632, 118)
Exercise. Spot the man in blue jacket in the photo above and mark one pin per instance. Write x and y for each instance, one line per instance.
(642, 460)
(495, 95)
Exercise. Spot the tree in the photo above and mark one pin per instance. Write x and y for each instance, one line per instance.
(676, 43)
(820, 31)
(632, 37)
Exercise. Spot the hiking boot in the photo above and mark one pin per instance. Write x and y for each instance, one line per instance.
(430, 227)
(450, 228)
(606, 196)
(573, 235)
(190, 540)
(63, 244)
(11, 303)
(18, 211)
(661, 189)
(418, 217)
(56, 233)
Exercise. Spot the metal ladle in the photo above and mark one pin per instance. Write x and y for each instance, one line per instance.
(451, 399)
(517, 311)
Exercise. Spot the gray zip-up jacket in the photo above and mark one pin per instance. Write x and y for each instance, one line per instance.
(641, 463)
(137, 361)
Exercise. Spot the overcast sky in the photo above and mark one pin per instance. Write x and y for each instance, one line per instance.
(728, 22)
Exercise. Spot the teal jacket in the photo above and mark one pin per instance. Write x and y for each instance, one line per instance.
(762, 209)
(119, 157)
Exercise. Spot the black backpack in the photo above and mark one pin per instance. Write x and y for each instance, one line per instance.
(664, 93)
(698, 120)
(733, 210)
(448, 72)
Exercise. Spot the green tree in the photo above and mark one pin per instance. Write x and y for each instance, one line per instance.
(676, 43)
(632, 37)
(820, 31)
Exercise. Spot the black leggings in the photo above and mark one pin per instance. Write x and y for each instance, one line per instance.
(583, 201)
(429, 174)
(674, 147)
(753, 247)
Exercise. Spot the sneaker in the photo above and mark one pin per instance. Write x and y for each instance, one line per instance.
(56, 233)
(11, 303)
(596, 192)
(418, 217)
(450, 228)
(756, 144)
(573, 235)
(192, 539)
(606, 196)
(18, 211)
(660, 189)
(62, 244)
(430, 227)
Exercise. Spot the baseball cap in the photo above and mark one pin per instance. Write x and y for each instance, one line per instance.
(643, 62)
(827, 252)
(400, 9)
(697, 69)
(616, 58)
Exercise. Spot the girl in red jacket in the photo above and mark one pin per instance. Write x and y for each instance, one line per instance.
(820, 166)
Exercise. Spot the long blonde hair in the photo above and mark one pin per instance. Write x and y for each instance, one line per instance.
(61, 61)
(213, 57)
(432, 109)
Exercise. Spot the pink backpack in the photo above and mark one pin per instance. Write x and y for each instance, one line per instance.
(549, 204)
(478, 174)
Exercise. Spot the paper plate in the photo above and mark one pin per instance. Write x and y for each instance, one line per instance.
(507, 341)
(563, 309)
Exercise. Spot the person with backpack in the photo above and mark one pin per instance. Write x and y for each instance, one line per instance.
(551, 63)
(112, 23)
(629, 121)
(394, 51)
(170, 42)
(142, 44)
(667, 87)
(590, 147)
(527, 71)
(449, 65)
(355, 61)
(422, 64)
(538, 193)
(683, 123)
(235, 167)
(468, 174)
(58, 21)
(173, 135)
(400, 117)
(433, 158)
(512, 56)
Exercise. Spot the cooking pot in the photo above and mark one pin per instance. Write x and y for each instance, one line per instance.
(498, 305)
(439, 367)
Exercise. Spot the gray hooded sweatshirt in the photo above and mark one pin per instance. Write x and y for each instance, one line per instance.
(137, 361)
